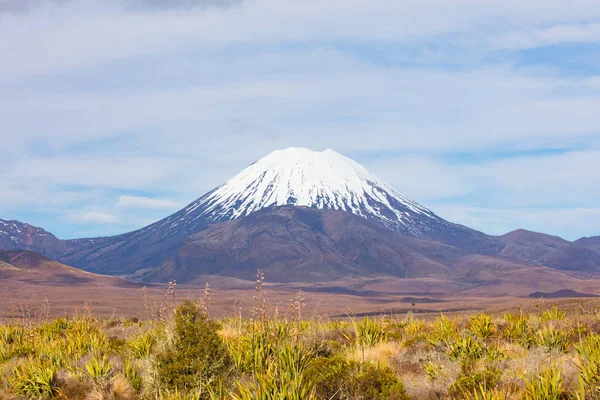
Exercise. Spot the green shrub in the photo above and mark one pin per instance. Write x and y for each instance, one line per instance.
(589, 364)
(339, 378)
(34, 380)
(478, 364)
(116, 345)
(330, 374)
(132, 373)
(369, 333)
(470, 381)
(482, 326)
(443, 334)
(141, 346)
(284, 377)
(548, 385)
(321, 347)
(553, 314)
(553, 339)
(377, 382)
(466, 348)
(197, 355)
(99, 369)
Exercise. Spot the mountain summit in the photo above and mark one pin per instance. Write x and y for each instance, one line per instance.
(303, 177)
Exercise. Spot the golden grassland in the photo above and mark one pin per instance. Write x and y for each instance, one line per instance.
(179, 352)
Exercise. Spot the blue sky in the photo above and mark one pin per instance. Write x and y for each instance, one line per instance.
(114, 114)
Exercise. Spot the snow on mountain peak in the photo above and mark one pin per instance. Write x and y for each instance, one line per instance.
(303, 177)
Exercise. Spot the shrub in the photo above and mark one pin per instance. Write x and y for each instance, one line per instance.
(197, 355)
(548, 385)
(283, 379)
(100, 370)
(484, 394)
(321, 347)
(469, 381)
(444, 333)
(553, 339)
(369, 333)
(589, 363)
(34, 380)
(482, 326)
(553, 314)
(340, 378)
(433, 370)
(376, 382)
(330, 374)
(517, 329)
(141, 346)
(466, 348)
(478, 366)
(132, 374)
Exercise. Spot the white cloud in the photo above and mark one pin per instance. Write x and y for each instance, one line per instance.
(89, 33)
(204, 92)
(420, 177)
(564, 179)
(137, 202)
(547, 36)
(94, 217)
(112, 172)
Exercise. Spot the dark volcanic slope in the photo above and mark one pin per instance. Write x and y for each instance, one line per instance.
(151, 246)
(551, 251)
(311, 245)
(128, 253)
(590, 242)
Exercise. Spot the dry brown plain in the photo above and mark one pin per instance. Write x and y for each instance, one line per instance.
(337, 299)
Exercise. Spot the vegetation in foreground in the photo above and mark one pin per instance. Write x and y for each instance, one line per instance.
(184, 354)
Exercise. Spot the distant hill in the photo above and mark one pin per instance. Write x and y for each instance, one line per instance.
(17, 235)
(566, 293)
(592, 242)
(551, 251)
(28, 266)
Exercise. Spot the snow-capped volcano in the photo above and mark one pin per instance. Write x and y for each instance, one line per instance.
(303, 177)
(292, 177)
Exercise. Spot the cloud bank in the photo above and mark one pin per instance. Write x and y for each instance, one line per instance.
(137, 202)
(483, 111)
(18, 6)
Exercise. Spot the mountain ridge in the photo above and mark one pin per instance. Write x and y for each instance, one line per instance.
(552, 251)
(297, 178)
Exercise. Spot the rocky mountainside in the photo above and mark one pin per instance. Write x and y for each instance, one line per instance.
(16, 235)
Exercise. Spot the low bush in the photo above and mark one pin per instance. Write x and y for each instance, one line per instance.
(339, 378)
(196, 357)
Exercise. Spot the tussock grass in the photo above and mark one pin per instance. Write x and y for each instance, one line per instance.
(179, 352)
